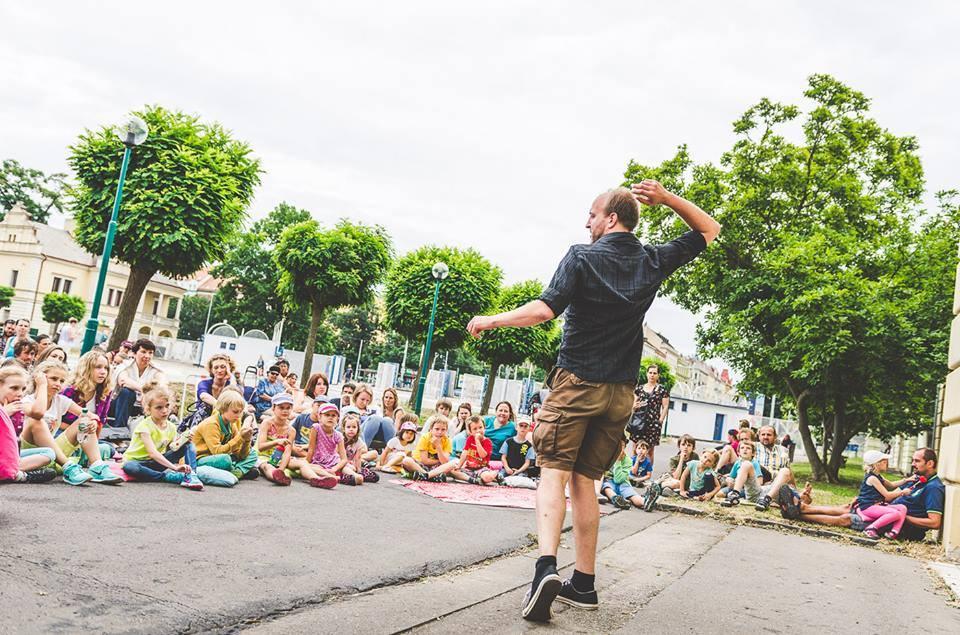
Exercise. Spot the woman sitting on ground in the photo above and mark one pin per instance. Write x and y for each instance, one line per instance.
(53, 352)
(500, 427)
(318, 385)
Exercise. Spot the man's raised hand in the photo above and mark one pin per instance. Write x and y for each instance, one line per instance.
(479, 324)
(649, 192)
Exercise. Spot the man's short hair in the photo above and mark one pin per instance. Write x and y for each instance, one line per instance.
(143, 343)
(8, 322)
(929, 455)
(22, 345)
(42, 338)
(23, 320)
(352, 386)
(620, 201)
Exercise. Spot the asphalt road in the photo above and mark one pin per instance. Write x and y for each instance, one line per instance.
(151, 558)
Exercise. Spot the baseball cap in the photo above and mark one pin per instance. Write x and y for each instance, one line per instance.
(328, 407)
(321, 399)
(273, 369)
(872, 457)
(282, 398)
(409, 425)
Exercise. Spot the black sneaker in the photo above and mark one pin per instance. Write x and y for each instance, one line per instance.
(569, 595)
(789, 501)
(418, 476)
(536, 604)
(733, 498)
(620, 502)
(44, 475)
(650, 496)
(439, 478)
(251, 475)
(763, 504)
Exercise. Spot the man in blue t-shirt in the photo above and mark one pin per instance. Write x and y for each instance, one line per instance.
(925, 501)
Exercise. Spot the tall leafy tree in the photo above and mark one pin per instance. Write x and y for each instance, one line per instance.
(667, 378)
(6, 296)
(811, 290)
(329, 268)
(60, 307)
(39, 193)
(512, 345)
(470, 289)
(186, 194)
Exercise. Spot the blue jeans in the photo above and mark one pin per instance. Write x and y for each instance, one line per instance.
(150, 470)
(375, 426)
(124, 406)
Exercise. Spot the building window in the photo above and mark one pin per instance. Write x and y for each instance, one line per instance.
(683, 407)
(114, 296)
(156, 306)
(172, 308)
(57, 281)
(14, 275)
(670, 407)
(66, 285)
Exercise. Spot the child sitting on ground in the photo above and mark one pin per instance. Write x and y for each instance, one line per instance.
(744, 479)
(431, 458)
(642, 469)
(474, 464)
(400, 446)
(699, 481)
(223, 442)
(356, 449)
(151, 455)
(518, 458)
(669, 484)
(616, 483)
(14, 466)
(875, 494)
(325, 449)
(281, 458)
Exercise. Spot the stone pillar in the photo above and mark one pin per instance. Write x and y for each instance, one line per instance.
(950, 436)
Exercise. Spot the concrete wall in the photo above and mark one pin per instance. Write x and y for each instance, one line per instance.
(950, 435)
(700, 417)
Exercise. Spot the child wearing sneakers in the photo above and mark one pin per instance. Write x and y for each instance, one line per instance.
(325, 448)
(875, 495)
(474, 463)
(150, 456)
(356, 449)
(744, 478)
(519, 458)
(642, 468)
(275, 439)
(431, 458)
(224, 442)
(401, 446)
(28, 467)
(669, 484)
(616, 483)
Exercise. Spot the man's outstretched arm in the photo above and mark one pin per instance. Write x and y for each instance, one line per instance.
(651, 193)
(530, 314)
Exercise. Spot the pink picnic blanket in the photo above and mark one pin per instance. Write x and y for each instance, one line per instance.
(478, 494)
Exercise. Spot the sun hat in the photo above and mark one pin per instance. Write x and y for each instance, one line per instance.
(409, 425)
(282, 398)
(872, 457)
(328, 407)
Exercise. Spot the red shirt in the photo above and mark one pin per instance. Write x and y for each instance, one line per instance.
(474, 462)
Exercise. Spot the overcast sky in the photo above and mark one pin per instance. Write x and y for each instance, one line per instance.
(487, 124)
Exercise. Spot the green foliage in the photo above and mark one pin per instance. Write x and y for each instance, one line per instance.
(37, 192)
(193, 316)
(512, 345)
(826, 285)
(667, 378)
(327, 269)
(186, 193)
(60, 307)
(469, 290)
(6, 296)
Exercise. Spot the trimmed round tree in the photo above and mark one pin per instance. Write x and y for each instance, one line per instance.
(329, 268)
(667, 378)
(60, 307)
(469, 290)
(186, 193)
(6, 296)
(513, 345)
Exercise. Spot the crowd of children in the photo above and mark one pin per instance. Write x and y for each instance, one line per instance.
(50, 420)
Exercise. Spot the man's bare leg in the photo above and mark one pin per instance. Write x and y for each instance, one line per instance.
(586, 522)
(827, 519)
(552, 507)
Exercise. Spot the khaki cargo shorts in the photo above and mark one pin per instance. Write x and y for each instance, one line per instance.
(580, 426)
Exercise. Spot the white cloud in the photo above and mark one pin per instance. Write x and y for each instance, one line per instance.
(490, 125)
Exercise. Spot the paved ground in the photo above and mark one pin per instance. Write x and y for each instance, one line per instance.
(144, 558)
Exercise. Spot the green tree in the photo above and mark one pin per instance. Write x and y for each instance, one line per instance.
(39, 193)
(512, 345)
(667, 377)
(469, 290)
(6, 296)
(186, 194)
(193, 316)
(814, 288)
(326, 269)
(60, 307)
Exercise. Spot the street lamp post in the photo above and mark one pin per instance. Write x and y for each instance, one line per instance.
(132, 133)
(440, 271)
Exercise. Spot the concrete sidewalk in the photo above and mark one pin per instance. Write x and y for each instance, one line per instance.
(670, 574)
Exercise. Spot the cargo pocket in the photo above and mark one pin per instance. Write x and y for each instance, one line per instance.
(546, 432)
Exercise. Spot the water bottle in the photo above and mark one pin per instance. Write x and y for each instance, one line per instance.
(82, 428)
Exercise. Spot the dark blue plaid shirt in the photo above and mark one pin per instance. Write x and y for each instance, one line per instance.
(606, 289)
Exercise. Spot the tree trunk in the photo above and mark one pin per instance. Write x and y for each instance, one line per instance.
(809, 446)
(488, 393)
(316, 312)
(841, 436)
(136, 283)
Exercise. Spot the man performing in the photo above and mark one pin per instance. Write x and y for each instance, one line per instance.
(605, 288)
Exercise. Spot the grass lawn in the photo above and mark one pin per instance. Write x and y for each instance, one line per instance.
(832, 493)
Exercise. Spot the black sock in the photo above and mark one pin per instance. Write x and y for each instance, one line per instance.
(582, 582)
(542, 563)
